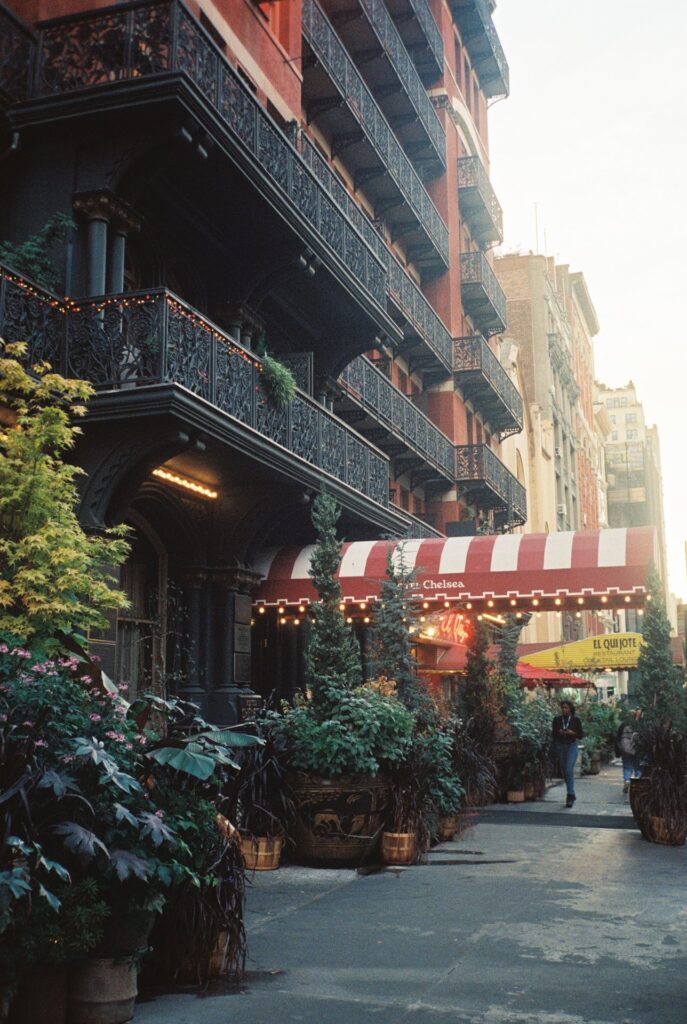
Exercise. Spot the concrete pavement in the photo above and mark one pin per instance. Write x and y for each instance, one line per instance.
(520, 921)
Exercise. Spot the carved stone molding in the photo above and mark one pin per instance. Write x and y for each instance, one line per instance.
(105, 205)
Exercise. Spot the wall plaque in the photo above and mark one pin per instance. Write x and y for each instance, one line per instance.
(241, 639)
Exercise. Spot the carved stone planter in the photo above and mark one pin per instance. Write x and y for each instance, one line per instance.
(338, 821)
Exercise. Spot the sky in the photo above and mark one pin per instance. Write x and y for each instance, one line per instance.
(594, 135)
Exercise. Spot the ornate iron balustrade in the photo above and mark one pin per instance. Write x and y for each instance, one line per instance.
(412, 303)
(419, 528)
(401, 288)
(418, 12)
(17, 46)
(483, 297)
(140, 338)
(480, 472)
(325, 44)
(157, 37)
(484, 380)
(400, 60)
(478, 202)
(483, 44)
(368, 386)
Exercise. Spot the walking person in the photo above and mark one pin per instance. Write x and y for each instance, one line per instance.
(567, 730)
(626, 748)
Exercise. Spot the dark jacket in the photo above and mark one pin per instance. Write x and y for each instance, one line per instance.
(557, 729)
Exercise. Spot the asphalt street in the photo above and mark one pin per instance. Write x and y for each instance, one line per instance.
(535, 915)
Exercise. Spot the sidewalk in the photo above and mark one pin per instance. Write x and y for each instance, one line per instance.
(518, 922)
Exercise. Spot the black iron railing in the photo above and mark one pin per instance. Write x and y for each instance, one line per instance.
(123, 342)
(17, 45)
(430, 29)
(472, 355)
(482, 293)
(483, 44)
(401, 288)
(157, 37)
(325, 44)
(478, 464)
(419, 527)
(368, 386)
(478, 200)
(400, 60)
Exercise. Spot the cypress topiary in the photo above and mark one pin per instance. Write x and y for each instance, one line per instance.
(332, 656)
(661, 692)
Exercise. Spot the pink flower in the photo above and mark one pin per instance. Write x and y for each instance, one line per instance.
(142, 739)
(4, 649)
(3, 718)
(41, 743)
(94, 717)
(159, 814)
(123, 687)
(66, 759)
(39, 668)
(117, 736)
(28, 724)
(129, 746)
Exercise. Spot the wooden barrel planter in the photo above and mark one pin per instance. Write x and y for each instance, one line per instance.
(665, 832)
(338, 821)
(103, 992)
(639, 800)
(399, 847)
(261, 853)
(447, 829)
(515, 796)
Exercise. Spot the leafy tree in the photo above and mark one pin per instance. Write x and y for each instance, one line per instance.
(53, 576)
(332, 657)
(36, 256)
(479, 700)
(661, 693)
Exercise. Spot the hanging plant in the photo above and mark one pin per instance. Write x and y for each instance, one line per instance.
(279, 381)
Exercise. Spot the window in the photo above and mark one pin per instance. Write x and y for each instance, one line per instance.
(632, 435)
(630, 417)
(278, 15)
(614, 435)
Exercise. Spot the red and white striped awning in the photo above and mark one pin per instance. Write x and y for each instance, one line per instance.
(594, 569)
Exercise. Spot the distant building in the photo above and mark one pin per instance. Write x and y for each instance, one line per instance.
(548, 349)
(633, 466)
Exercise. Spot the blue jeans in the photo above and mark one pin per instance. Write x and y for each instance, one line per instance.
(631, 767)
(567, 756)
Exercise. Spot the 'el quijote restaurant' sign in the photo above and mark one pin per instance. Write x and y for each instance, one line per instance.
(612, 650)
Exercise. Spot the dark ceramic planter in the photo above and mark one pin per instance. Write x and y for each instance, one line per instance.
(338, 821)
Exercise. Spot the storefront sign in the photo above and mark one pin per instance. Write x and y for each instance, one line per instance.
(612, 650)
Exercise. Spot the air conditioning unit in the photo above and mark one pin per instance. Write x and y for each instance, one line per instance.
(558, 452)
(562, 510)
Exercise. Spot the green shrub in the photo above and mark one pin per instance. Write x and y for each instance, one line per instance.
(279, 381)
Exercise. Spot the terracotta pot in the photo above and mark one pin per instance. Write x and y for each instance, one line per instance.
(665, 832)
(515, 796)
(261, 853)
(42, 998)
(447, 828)
(338, 821)
(102, 992)
(399, 847)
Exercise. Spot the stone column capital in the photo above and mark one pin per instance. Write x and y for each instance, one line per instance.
(243, 580)
(105, 205)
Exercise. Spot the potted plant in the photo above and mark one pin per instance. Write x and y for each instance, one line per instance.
(260, 797)
(474, 767)
(660, 804)
(340, 737)
(516, 787)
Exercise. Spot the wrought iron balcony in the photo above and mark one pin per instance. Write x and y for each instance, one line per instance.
(395, 422)
(368, 31)
(17, 46)
(485, 482)
(421, 36)
(483, 297)
(357, 124)
(138, 339)
(419, 527)
(478, 203)
(426, 336)
(561, 361)
(483, 381)
(132, 44)
(477, 31)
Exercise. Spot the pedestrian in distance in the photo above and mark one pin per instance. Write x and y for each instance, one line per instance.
(626, 748)
(567, 730)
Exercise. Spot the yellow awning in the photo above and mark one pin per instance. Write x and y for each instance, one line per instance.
(612, 650)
